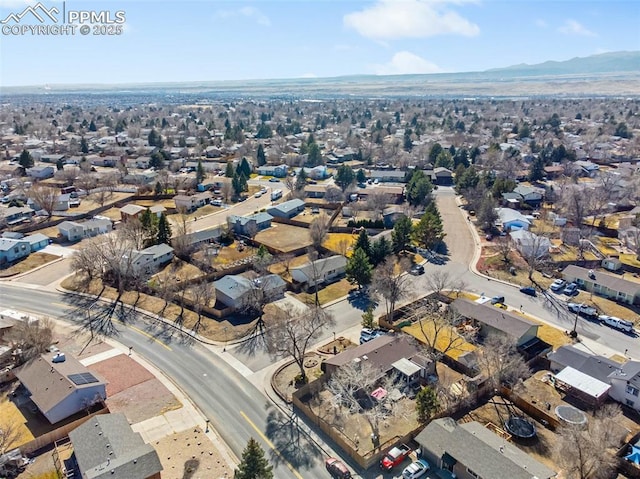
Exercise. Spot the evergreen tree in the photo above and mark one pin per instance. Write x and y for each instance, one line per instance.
(408, 142)
(244, 168)
(158, 188)
(60, 164)
(426, 403)
(261, 159)
(429, 232)
(361, 177)
(363, 243)
(264, 131)
(92, 126)
(154, 138)
(536, 172)
(344, 177)
(380, 250)
(229, 171)
(156, 161)
(236, 184)
(314, 157)
(435, 150)
(444, 160)
(301, 180)
(200, 173)
(401, 234)
(253, 464)
(359, 269)
(419, 189)
(84, 148)
(26, 160)
(164, 230)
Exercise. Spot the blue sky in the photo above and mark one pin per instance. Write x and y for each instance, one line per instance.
(235, 40)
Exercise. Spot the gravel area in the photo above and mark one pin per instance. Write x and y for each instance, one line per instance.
(143, 401)
(121, 372)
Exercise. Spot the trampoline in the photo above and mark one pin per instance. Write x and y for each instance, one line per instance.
(520, 427)
(571, 415)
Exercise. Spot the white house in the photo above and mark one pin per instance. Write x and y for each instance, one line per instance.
(234, 291)
(529, 244)
(151, 258)
(192, 202)
(60, 386)
(41, 172)
(73, 231)
(625, 384)
(320, 270)
(511, 219)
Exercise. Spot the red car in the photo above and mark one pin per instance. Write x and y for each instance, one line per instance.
(337, 469)
(395, 456)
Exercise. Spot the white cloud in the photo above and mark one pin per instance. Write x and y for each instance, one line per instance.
(406, 63)
(247, 12)
(540, 23)
(410, 18)
(572, 27)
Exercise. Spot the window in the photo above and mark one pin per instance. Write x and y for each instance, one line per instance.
(473, 474)
(632, 390)
(629, 402)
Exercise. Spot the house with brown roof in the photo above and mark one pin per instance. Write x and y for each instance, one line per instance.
(603, 284)
(130, 211)
(60, 386)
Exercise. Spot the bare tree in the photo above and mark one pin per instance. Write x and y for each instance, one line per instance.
(351, 386)
(333, 195)
(134, 233)
(318, 230)
(504, 246)
(202, 295)
(376, 202)
(31, 337)
(439, 280)
(45, 197)
(9, 435)
(226, 190)
(86, 260)
(389, 282)
(501, 361)
(439, 330)
(588, 452)
(291, 332)
(181, 228)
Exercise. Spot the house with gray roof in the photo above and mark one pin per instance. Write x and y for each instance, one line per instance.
(105, 446)
(151, 258)
(529, 194)
(603, 284)
(13, 249)
(60, 386)
(471, 451)
(249, 225)
(510, 219)
(598, 367)
(37, 241)
(234, 291)
(625, 384)
(319, 271)
(279, 171)
(288, 209)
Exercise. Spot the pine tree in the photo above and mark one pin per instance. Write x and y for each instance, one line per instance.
(359, 269)
(426, 403)
(84, 148)
(363, 243)
(26, 160)
(92, 126)
(380, 250)
(200, 173)
(244, 168)
(158, 188)
(253, 465)
(401, 234)
(344, 177)
(429, 232)
(361, 177)
(261, 159)
(229, 171)
(164, 230)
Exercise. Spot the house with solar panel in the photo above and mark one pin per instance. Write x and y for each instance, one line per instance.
(60, 386)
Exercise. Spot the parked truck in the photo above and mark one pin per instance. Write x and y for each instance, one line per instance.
(395, 456)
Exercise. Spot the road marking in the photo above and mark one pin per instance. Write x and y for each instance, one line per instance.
(144, 333)
(270, 444)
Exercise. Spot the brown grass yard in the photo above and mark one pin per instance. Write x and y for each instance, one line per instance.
(340, 243)
(27, 264)
(284, 238)
(327, 293)
(281, 269)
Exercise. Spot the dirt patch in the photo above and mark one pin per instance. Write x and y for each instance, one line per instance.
(284, 238)
(284, 381)
(337, 346)
(190, 455)
(121, 372)
(143, 401)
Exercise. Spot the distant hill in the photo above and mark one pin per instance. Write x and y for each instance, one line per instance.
(612, 62)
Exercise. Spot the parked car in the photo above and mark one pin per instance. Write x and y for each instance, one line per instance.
(416, 469)
(368, 334)
(336, 468)
(583, 310)
(497, 300)
(274, 180)
(263, 190)
(571, 289)
(416, 270)
(558, 285)
(528, 290)
(616, 323)
(395, 456)
(258, 194)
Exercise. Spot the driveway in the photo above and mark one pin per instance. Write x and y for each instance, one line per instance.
(47, 274)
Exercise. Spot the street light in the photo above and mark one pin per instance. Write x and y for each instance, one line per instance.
(225, 339)
(334, 335)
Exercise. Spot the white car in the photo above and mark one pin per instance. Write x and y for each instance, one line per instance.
(616, 323)
(416, 469)
(558, 285)
(258, 194)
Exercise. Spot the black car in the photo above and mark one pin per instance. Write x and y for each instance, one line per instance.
(528, 290)
(497, 300)
(416, 270)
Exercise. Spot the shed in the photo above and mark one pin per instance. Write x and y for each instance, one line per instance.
(582, 386)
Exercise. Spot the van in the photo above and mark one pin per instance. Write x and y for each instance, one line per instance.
(616, 323)
(216, 202)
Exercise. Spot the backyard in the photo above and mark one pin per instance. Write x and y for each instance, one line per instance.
(284, 238)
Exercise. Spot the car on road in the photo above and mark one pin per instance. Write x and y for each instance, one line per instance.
(263, 190)
(497, 300)
(571, 289)
(258, 194)
(376, 181)
(337, 469)
(558, 285)
(416, 270)
(274, 180)
(416, 469)
(583, 310)
(528, 290)
(616, 323)
(367, 334)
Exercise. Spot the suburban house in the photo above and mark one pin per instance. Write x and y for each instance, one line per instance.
(146, 177)
(510, 219)
(529, 244)
(315, 191)
(492, 320)
(17, 214)
(193, 202)
(287, 210)
(151, 258)
(471, 451)
(384, 176)
(390, 354)
(249, 225)
(60, 386)
(13, 249)
(193, 240)
(443, 176)
(157, 210)
(279, 171)
(320, 271)
(37, 241)
(319, 172)
(394, 193)
(105, 446)
(73, 231)
(603, 284)
(530, 195)
(41, 172)
(130, 211)
(625, 384)
(392, 214)
(234, 291)
(598, 367)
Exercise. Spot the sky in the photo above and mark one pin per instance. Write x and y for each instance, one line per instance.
(174, 41)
